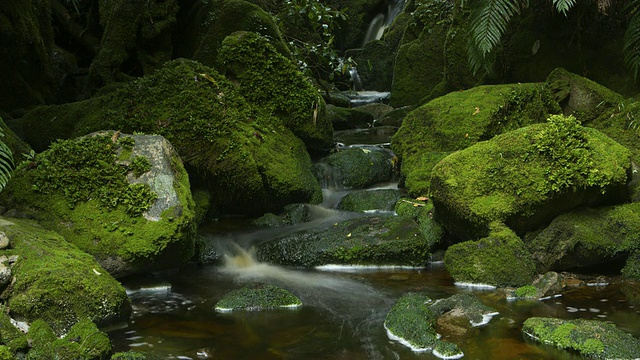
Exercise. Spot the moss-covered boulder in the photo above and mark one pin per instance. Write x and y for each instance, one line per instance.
(464, 305)
(83, 341)
(378, 240)
(431, 59)
(585, 99)
(258, 297)
(412, 322)
(137, 37)
(348, 118)
(590, 338)
(370, 200)
(527, 177)
(587, 237)
(248, 159)
(357, 168)
(205, 24)
(58, 283)
(271, 81)
(460, 119)
(124, 199)
(501, 259)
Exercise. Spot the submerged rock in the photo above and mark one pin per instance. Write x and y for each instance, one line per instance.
(58, 283)
(125, 199)
(527, 177)
(370, 200)
(372, 241)
(464, 305)
(358, 168)
(258, 297)
(590, 338)
(411, 322)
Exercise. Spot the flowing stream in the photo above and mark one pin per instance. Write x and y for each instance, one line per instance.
(343, 309)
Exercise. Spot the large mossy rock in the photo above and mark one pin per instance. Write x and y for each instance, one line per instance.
(587, 237)
(590, 338)
(83, 341)
(431, 58)
(357, 168)
(370, 200)
(271, 81)
(124, 199)
(527, 177)
(136, 37)
(250, 162)
(205, 24)
(460, 119)
(500, 259)
(58, 283)
(378, 240)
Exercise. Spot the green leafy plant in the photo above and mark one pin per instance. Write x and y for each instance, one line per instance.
(140, 165)
(308, 26)
(490, 18)
(6, 162)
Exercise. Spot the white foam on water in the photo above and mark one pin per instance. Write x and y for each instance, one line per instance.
(257, 308)
(354, 268)
(475, 286)
(485, 319)
(404, 342)
(20, 325)
(441, 356)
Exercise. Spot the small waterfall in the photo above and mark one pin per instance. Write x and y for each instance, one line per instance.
(382, 21)
(355, 79)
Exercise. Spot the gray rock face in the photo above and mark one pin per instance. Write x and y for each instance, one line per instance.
(161, 177)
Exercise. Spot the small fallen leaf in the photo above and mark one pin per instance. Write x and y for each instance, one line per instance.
(96, 272)
(349, 235)
(422, 198)
(477, 111)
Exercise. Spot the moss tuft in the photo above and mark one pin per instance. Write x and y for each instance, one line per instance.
(258, 297)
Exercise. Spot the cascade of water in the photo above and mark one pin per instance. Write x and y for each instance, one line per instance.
(382, 21)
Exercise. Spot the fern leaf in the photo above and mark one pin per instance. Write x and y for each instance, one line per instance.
(564, 6)
(6, 162)
(631, 49)
(489, 21)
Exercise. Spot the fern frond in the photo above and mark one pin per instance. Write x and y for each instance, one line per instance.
(6, 162)
(489, 20)
(564, 6)
(631, 48)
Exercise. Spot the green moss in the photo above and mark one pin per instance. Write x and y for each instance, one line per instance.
(525, 179)
(5, 353)
(447, 349)
(258, 297)
(83, 341)
(586, 237)
(460, 119)
(360, 168)
(411, 320)
(58, 283)
(382, 199)
(211, 21)
(590, 338)
(501, 259)
(272, 82)
(527, 291)
(80, 189)
(631, 269)
(140, 165)
(13, 338)
(469, 305)
(379, 240)
(86, 169)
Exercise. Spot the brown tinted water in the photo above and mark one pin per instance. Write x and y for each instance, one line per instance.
(342, 315)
